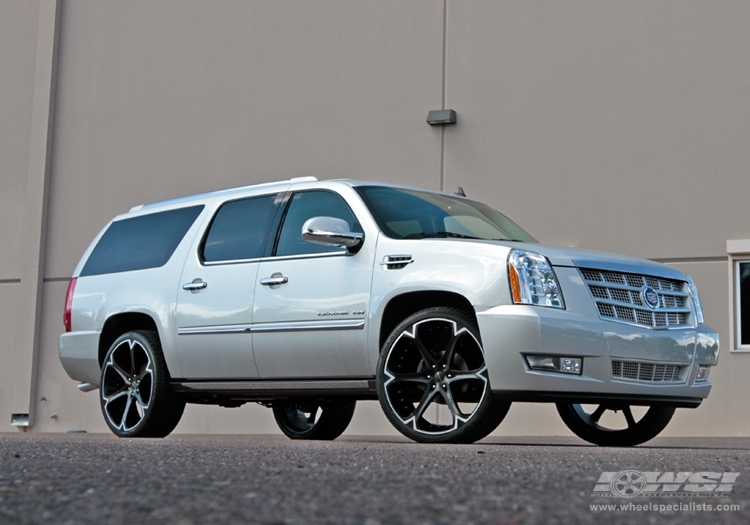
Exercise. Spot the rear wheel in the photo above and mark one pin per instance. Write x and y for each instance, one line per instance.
(614, 425)
(135, 396)
(433, 383)
(318, 420)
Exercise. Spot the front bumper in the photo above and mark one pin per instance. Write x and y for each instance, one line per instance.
(509, 332)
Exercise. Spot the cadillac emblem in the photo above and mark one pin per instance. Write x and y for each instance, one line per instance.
(650, 297)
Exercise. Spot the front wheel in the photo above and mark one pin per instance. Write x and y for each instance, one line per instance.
(318, 420)
(621, 428)
(135, 396)
(433, 383)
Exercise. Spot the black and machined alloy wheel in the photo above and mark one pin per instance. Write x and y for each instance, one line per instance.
(136, 399)
(432, 380)
(615, 425)
(311, 419)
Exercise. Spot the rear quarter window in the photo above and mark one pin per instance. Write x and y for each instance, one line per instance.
(138, 243)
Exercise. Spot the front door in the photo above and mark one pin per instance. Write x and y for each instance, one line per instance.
(310, 313)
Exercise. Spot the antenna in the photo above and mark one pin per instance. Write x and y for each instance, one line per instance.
(460, 192)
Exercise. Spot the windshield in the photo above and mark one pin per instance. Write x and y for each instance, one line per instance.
(413, 214)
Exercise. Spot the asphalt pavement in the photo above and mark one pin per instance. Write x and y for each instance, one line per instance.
(270, 480)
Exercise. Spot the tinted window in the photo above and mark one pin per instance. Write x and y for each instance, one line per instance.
(412, 214)
(744, 283)
(240, 230)
(304, 206)
(141, 242)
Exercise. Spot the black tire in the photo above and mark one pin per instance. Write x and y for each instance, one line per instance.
(435, 357)
(586, 425)
(135, 396)
(299, 419)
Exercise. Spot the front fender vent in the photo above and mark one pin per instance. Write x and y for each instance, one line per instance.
(396, 262)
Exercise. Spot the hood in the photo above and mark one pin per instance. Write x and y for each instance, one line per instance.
(577, 257)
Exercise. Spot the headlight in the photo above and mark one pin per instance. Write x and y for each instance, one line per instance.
(532, 280)
(696, 300)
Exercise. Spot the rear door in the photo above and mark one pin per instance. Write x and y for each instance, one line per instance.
(214, 304)
(310, 313)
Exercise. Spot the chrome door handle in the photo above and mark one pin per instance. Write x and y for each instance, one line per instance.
(275, 280)
(196, 286)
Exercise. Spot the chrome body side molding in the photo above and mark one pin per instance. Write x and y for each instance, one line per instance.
(301, 326)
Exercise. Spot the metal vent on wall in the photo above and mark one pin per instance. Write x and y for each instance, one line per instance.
(618, 297)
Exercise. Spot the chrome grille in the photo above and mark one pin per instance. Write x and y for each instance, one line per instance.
(651, 372)
(618, 298)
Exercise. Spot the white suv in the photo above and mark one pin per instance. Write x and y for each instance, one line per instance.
(307, 295)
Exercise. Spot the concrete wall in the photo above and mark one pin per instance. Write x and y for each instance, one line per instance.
(616, 126)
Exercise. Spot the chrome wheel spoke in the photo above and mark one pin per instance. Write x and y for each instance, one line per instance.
(465, 376)
(458, 416)
(122, 392)
(132, 360)
(449, 351)
(139, 402)
(429, 395)
(417, 377)
(426, 355)
(114, 366)
(127, 410)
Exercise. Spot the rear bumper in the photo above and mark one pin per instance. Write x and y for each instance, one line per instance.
(79, 355)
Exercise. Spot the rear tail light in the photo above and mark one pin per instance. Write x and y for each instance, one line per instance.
(69, 304)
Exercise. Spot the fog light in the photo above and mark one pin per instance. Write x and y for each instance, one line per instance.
(566, 365)
(702, 373)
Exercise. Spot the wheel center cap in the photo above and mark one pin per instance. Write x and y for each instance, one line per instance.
(439, 377)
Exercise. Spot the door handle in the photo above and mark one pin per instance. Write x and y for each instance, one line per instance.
(274, 281)
(196, 286)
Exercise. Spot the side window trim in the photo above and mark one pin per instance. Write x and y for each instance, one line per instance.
(278, 222)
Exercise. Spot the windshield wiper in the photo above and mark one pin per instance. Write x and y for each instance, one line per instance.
(439, 235)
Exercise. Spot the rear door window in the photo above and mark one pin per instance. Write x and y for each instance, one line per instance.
(240, 230)
(138, 243)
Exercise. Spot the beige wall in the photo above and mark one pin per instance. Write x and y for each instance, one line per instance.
(18, 22)
(18, 28)
(616, 126)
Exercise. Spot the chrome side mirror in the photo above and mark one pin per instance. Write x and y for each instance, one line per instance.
(331, 232)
